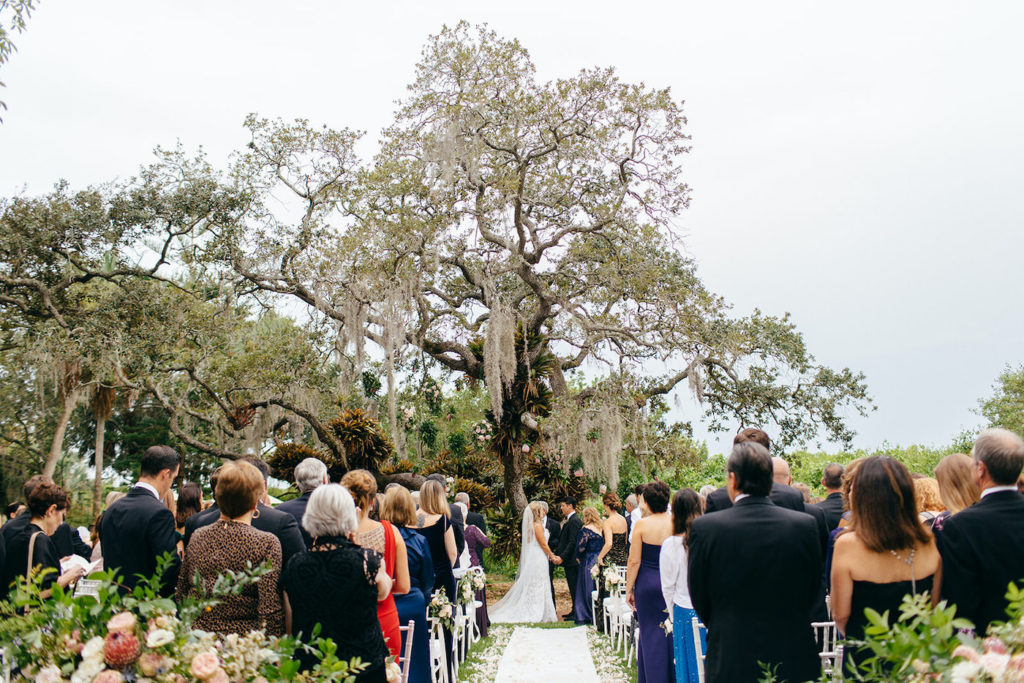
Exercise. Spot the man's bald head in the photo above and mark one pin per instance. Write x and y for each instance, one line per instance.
(780, 471)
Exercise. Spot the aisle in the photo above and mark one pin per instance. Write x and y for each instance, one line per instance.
(547, 654)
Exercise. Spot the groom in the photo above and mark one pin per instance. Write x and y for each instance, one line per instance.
(566, 553)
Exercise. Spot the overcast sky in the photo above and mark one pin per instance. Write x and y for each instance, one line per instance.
(859, 165)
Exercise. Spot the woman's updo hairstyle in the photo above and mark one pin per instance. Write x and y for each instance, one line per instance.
(656, 495)
(363, 487)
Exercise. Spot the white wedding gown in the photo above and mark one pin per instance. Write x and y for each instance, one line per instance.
(529, 598)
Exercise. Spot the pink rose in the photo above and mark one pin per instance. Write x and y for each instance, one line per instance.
(995, 645)
(153, 664)
(204, 665)
(994, 663)
(108, 676)
(968, 653)
(219, 676)
(122, 622)
(1016, 663)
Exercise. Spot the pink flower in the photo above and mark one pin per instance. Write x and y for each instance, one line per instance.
(204, 665)
(122, 622)
(994, 663)
(995, 645)
(219, 676)
(1016, 663)
(968, 653)
(108, 676)
(578, 473)
(526, 448)
(153, 664)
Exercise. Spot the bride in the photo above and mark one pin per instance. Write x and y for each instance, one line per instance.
(529, 599)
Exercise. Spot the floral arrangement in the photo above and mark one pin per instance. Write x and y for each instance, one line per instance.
(481, 431)
(466, 592)
(595, 571)
(109, 637)
(612, 579)
(441, 610)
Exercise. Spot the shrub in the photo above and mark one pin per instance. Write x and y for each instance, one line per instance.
(503, 528)
(366, 445)
(480, 497)
(287, 455)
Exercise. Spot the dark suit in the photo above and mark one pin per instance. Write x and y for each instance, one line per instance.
(296, 507)
(281, 524)
(782, 495)
(554, 529)
(567, 537)
(65, 540)
(135, 531)
(754, 574)
(458, 528)
(982, 551)
(477, 520)
(819, 612)
(833, 509)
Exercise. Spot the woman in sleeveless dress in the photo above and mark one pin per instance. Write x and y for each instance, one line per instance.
(615, 551)
(436, 527)
(386, 540)
(588, 546)
(686, 506)
(529, 598)
(886, 552)
(643, 586)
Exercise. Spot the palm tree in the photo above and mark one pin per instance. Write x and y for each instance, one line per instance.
(103, 400)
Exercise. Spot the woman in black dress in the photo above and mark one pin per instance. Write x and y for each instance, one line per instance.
(337, 584)
(436, 527)
(48, 503)
(615, 550)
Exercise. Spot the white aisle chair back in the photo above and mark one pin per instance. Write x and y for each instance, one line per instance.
(697, 626)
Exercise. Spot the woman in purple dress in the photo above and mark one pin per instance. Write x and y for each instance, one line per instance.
(643, 586)
(589, 544)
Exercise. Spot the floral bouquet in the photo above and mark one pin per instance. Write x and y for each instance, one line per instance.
(466, 592)
(612, 579)
(595, 571)
(441, 610)
(479, 580)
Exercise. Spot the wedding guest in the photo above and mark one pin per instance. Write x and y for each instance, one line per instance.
(629, 507)
(983, 546)
(231, 543)
(754, 571)
(97, 550)
(886, 552)
(589, 544)
(686, 507)
(832, 480)
(386, 540)
(844, 520)
(615, 550)
(400, 511)
(636, 513)
(474, 518)
(138, 528)
(929, 500)
(643, 585)
(309, 474)
(436, 527)
(33, 549)
(804, 490)
(337, 586)
(65, 540)
(781, 494)
(190, 501)
(14, 509)
(476, 541)
(458, 522)
(957, 487)
(705, 490)
(567, 557)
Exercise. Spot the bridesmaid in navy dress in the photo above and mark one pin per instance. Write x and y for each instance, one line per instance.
(643, 586)
(589, 544)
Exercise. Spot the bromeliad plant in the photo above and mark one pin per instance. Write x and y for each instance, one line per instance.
(107, 637)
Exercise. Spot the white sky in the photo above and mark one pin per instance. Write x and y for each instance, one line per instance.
(858, 165)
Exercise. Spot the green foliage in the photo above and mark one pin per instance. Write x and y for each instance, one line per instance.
(1005, 407)
(480, 496)
(366, 445)
(371, 383)
(504, 524)
(287, 455)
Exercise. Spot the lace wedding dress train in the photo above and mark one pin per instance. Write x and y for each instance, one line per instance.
(529, 599)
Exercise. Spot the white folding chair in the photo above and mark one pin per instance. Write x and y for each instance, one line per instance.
(409, 630)
(829, 650)
(438, 658)
(697, 626)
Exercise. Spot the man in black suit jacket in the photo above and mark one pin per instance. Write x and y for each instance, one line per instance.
(553, 527)
(309, 474)
(266, 518)
(139, 528)
(65, 540)
(754, 572)
(982, 546)
(474, 518)
(832, 506)
(567, 536)
(782, 495)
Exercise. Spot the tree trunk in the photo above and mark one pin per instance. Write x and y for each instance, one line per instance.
(97, 489)
(512, 463)
(70, 399)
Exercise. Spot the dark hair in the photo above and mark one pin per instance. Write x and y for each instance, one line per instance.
(686, 507)
(656, 495)
(752, 466)
(260, 464)
(239, 488)
(188, 502)
(32, 482)
(638, 490)
(156, 459)
(439, 478)
(885, 507)
(12, 508)
(832, 477)
(753, 434)
(611, 499)
(570, 500)
(1002, 451)
(46, 494)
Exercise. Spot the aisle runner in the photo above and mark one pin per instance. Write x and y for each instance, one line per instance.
(547, 654)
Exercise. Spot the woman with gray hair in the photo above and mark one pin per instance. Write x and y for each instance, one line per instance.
(337, 584)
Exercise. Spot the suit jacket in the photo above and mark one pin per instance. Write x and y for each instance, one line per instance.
(136, 530)
(567, 540)
(782, 495)
(458, 528)
(554, 533)
(477, 520)
(982, 551)
(754, 574)
(65, 540)
(833, 509)
(281, 524)
(296, 507)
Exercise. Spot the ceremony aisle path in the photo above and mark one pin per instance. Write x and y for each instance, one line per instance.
(547, 654)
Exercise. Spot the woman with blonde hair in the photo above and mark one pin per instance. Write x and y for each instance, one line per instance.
(589, 545)
(434, 518)
(386, 540)
(929, 502)
(957, 488)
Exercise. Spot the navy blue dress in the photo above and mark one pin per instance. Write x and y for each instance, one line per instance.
(588, 546)
(654, 652)
(413, 605)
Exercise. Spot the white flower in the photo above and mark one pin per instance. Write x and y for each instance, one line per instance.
(159, 637)
(93, 650)
(994, 663)
(88, 669)
(965, 672)
(50, 674)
